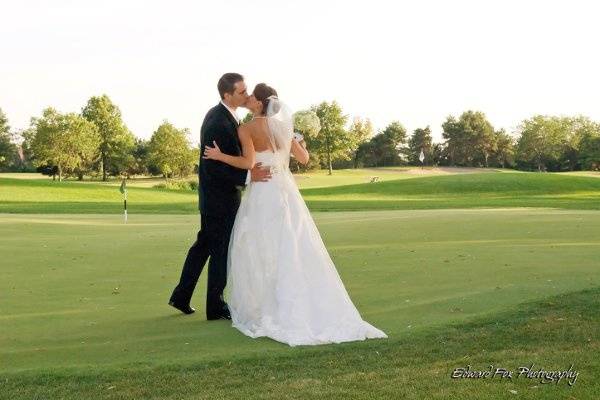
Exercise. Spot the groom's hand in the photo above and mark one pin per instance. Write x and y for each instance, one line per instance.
(259, 174)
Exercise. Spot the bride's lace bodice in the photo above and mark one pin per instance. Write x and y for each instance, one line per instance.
(270, 159)
(266, 157)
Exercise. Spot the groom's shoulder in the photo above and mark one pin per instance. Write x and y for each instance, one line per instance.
(212, 117)
(215, 111)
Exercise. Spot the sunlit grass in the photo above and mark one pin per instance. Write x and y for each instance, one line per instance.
(428, 192)
(83, 308)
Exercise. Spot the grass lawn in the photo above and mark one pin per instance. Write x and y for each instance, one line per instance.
(318, 178)
(595, 174)
(462, 190)
(423, 192)
(83, 310)
(458, 267)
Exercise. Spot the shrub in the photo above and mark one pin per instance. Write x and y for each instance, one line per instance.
(189, 184)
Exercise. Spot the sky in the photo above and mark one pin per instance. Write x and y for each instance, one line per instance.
(410, 61)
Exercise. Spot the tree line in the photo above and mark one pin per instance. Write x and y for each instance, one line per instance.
(541, 143)
(96, 142)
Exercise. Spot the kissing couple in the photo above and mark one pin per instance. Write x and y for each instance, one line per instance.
(265, 251)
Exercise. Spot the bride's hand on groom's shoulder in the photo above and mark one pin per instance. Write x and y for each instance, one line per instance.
(212, 153)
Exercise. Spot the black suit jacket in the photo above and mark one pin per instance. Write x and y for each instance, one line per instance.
(221, 185)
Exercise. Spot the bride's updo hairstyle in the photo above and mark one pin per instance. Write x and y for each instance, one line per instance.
(262, 92)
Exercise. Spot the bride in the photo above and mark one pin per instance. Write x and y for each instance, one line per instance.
(281, 281)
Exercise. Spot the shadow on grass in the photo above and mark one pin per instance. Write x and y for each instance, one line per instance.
(552, 334)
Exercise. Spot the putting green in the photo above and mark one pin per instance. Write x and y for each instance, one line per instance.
(81, 291)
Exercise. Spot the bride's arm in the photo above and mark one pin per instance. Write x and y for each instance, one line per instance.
(245, 161)
(299, 151)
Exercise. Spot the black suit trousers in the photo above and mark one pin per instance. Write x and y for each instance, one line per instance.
(212, 241)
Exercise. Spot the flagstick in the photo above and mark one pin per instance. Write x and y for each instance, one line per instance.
(123, 190)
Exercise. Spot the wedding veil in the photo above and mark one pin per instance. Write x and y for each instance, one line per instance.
(281, 129)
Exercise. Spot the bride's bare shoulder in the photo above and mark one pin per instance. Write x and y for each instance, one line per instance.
(249, 125)
(246, 129)
(254, 128)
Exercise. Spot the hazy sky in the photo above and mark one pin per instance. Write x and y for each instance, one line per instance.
(416, 62)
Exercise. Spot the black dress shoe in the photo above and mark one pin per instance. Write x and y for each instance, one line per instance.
(184, 309)
(224, 314)
(220, 316)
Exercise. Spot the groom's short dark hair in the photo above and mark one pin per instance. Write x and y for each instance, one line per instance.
(227, 83)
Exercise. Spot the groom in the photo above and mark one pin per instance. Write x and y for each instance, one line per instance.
(220, 193)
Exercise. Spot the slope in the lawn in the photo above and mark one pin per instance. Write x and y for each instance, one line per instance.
(553, 334)
(449, 191)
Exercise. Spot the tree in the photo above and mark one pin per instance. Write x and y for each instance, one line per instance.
(117, 141)
(420, 140)
(138, 164)
(385, 148)
(439, 154)
(469, 139)
(504, 154)
(542, 142)
(580, 130)
(590, 152)
(8, 150)
(66, 141)
(333, 141)
(361, 130)
(365, 155)
(393, 144)
(169, 149)
(24, 157)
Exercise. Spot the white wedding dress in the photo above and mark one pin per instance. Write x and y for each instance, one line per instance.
(281, 281)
